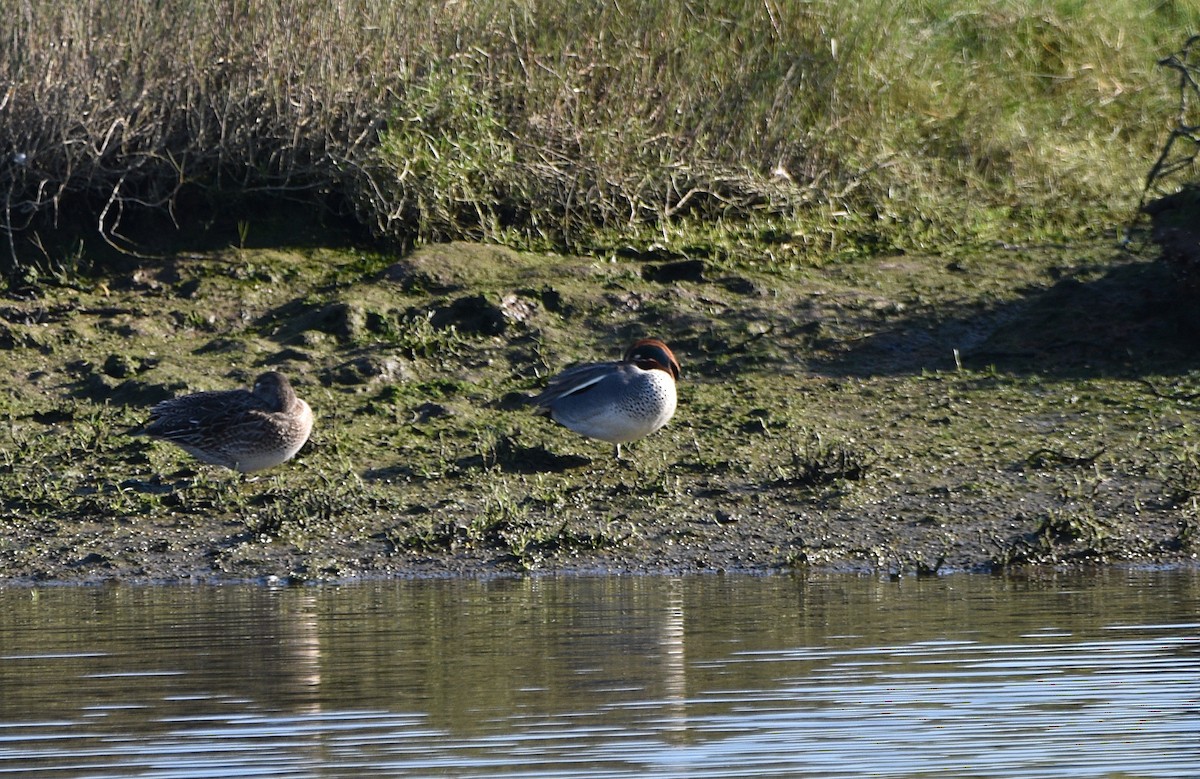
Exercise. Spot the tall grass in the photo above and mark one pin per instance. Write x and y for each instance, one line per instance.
(898, 124)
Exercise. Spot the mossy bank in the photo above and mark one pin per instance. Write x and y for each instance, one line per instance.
(993, 408)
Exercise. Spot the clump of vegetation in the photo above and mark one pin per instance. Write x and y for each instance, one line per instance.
(860, 126)
(1071, 531)
(816, 463)
(1181, 475)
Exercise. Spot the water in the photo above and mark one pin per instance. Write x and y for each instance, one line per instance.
(832, 676)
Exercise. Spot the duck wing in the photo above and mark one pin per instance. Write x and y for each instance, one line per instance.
(575, 381)
(197, 418)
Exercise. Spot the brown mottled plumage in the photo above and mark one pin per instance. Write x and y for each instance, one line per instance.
(245, 431)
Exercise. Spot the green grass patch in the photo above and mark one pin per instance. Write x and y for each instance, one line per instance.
(837, 127)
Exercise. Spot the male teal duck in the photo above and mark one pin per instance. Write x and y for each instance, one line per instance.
(617, 402)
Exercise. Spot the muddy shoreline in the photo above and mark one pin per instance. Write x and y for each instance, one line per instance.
(993, 410)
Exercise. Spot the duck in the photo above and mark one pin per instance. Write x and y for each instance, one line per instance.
(241, 430)
(617, 402)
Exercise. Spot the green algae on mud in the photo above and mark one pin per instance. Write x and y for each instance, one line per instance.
(909, 414)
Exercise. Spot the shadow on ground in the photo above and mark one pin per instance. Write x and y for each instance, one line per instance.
(1135, 317)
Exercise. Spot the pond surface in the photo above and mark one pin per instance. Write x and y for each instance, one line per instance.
(830, 676)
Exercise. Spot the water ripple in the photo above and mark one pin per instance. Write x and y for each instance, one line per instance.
(673, 683)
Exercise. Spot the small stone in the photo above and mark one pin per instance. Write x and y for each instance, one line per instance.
(368, 369)
(471, 314)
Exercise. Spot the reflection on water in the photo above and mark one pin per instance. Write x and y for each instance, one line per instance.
(608, 677)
